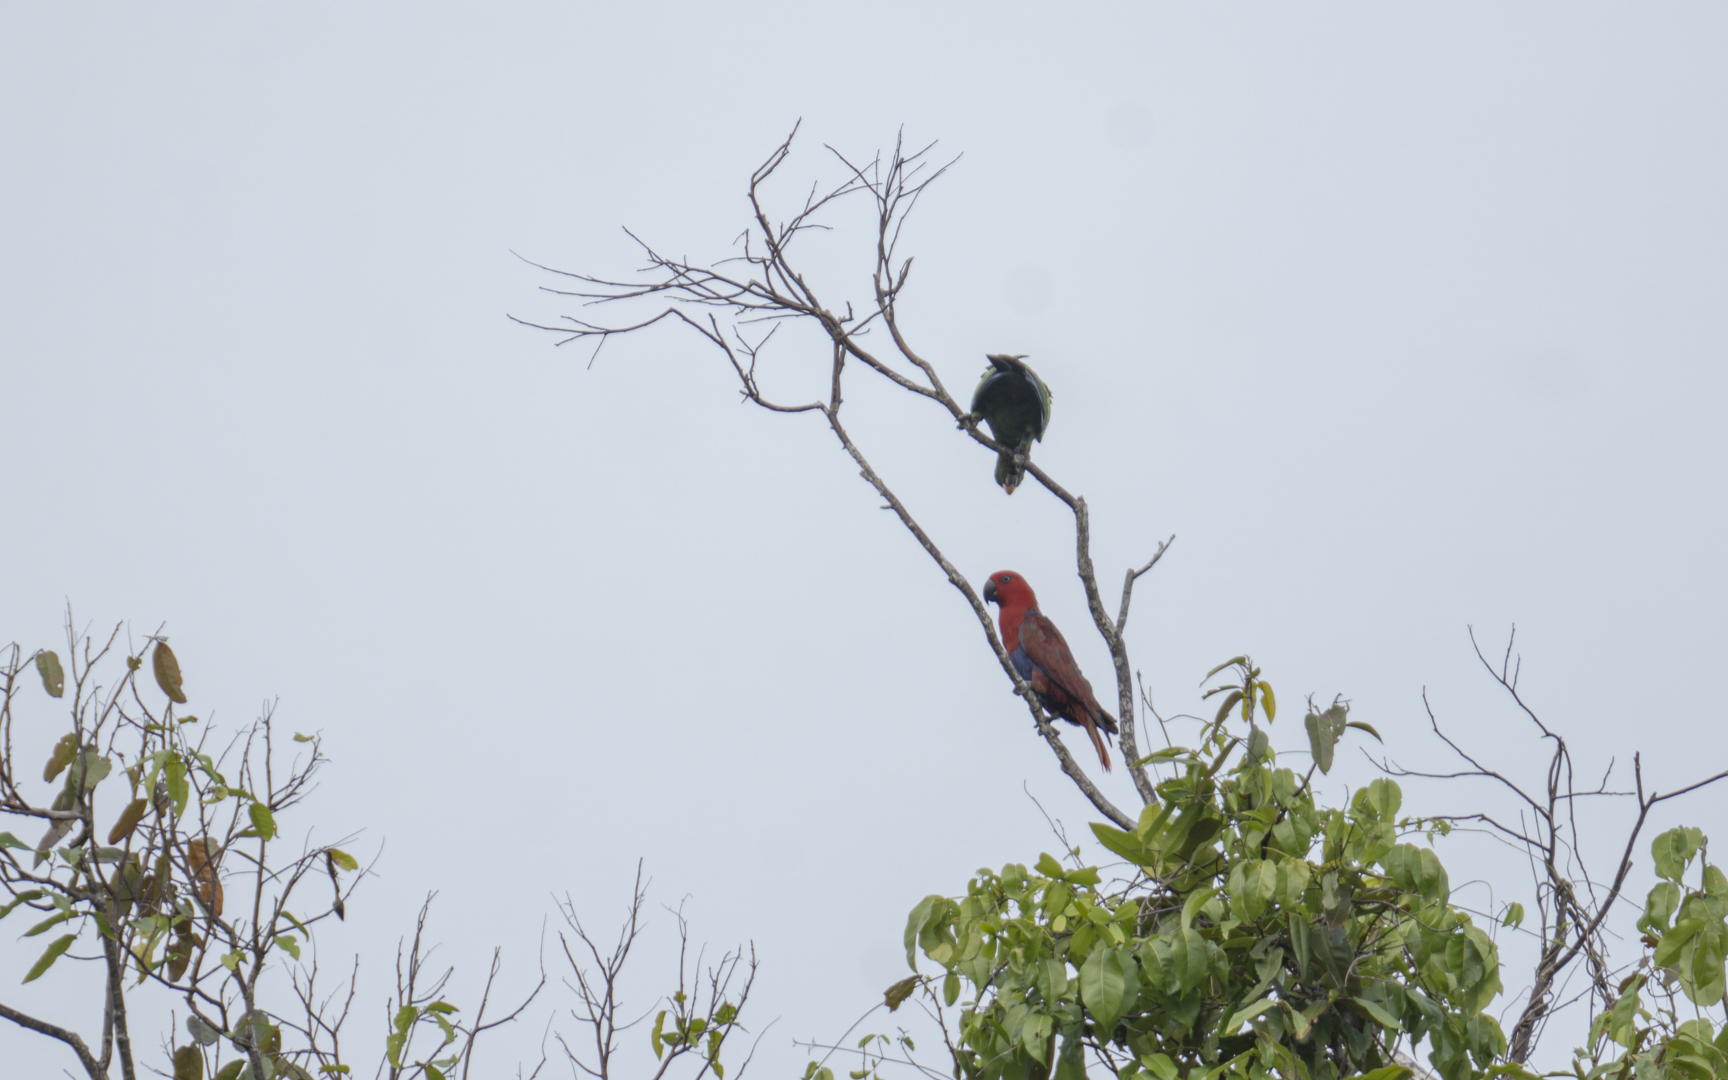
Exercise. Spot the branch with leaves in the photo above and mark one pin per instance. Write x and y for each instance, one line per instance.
(697, 1020)
(180, 881)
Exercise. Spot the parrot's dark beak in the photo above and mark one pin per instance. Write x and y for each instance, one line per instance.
(990, 592)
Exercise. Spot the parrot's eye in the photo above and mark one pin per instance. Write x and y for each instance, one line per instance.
(1006, 578)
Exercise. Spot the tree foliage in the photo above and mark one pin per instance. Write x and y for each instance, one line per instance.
(1646, 1031)
(1256, 934)
(178, 879)
(164, 867)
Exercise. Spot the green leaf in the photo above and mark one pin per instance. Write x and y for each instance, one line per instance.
(1299, 940)
(22, 898)
(231, 1071)
(1225, 664)
(915, 923)
(333, 1068)
(303, 738)
(1188, 958)
(7, 840)
(48, 924)
(1125, 845)
(1162, 755)
(1383, 798)
(202, 1034)
(1292, 881)
(287, 944)
(657, 1038)
(1417, 870)
(1388, 1072)
(1109, 984)
(1359, 725)
(1191, 906)
(1379, 1013)
(231, 961)
(1703, 976)
(58, 946)
(53, 678)
(1259, 746)
(64, 751)
(1160, 1066)
(188, 1063)
(1243, 1015)
(1674, 940)
(1261, 882)
(262, 820)
(342, 859)
(1673, 851)
(179, 790)
(1514, 915)
(1324, 728)
(1230, 700)
(1268, 702)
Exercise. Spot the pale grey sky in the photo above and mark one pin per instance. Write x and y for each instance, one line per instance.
(1402, 318)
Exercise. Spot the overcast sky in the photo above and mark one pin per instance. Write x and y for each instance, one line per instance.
(1402, 318)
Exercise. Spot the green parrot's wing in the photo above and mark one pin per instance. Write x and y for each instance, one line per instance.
(1043, 398)
(978, 394)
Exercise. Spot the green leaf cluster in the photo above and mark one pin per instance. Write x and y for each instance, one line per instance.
(1641, 1033)
(1260, 935)
(688, 1031)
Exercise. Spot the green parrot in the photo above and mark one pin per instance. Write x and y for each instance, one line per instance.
(1014, 401)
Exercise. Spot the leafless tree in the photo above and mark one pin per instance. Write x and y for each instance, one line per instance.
(1572, 902)
(691, 1023)
(736, 304)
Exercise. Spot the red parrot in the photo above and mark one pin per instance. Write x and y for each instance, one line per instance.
(1044, 660)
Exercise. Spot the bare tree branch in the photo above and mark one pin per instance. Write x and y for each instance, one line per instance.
(92, 1067)
(762, 283)
(1571, 905)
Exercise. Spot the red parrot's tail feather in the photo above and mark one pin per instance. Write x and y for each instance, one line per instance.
(1098, 744)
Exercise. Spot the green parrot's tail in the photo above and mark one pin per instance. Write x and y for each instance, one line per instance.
(1008, 474)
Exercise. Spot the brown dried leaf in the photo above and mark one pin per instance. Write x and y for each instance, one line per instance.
(897, 994)
(168, 673)
(204, 877)
(129, 819)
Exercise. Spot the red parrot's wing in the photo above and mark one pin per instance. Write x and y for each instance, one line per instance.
(1044, 646)
(1057, 677)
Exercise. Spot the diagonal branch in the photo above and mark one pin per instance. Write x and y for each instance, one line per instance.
(71, 1038)
(958, 580)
